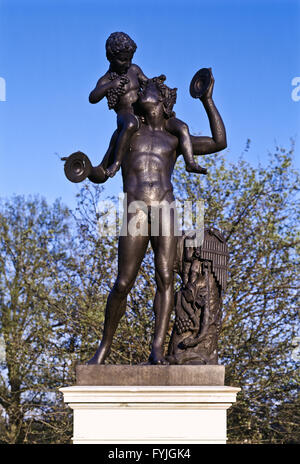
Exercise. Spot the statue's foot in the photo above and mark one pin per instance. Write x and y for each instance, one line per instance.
(94, 360)
(196, 169)
(157, 358)
(99, 357)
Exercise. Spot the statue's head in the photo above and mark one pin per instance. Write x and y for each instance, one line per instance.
(120, 49)
(162, 93)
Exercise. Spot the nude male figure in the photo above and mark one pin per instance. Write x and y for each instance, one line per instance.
(146, 169)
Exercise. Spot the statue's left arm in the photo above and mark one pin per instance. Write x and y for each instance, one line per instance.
(203, 145)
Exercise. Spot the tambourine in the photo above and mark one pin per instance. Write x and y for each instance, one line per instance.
(200, 82)
(77, 167)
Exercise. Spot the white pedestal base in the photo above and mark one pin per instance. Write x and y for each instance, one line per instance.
(149, 414)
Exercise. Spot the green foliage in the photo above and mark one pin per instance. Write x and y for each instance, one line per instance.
(56, 271)
(33, 244)
(258, 211)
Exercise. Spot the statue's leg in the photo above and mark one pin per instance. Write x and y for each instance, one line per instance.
(131, 252)
(127, 125)
(164, 248)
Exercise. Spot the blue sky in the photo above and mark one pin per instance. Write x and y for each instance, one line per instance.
(53, 51)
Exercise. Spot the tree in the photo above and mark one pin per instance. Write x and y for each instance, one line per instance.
(258, 210)
(32, 250)
(56, 271)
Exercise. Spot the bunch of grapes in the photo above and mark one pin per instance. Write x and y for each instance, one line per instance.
(114, 94)
(182, 324)
(112, 98)
(123, 81)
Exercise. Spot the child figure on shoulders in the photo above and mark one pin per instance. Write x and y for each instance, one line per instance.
(121, 85)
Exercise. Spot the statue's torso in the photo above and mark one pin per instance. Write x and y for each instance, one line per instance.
(131, 92)
(148, 165)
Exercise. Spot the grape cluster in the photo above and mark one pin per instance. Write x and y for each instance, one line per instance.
(112, 98)
(114, 94)
(182, 324)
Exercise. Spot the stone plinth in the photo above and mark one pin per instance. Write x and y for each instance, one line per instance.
(153, 413)
(142, 375)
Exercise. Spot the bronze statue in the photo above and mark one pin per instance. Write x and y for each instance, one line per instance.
(146, 145)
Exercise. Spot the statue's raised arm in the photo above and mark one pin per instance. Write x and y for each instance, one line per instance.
(201, 87)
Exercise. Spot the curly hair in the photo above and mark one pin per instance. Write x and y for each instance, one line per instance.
(119, 42)
(168, 95)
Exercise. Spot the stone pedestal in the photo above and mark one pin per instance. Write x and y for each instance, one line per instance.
(158, 412)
